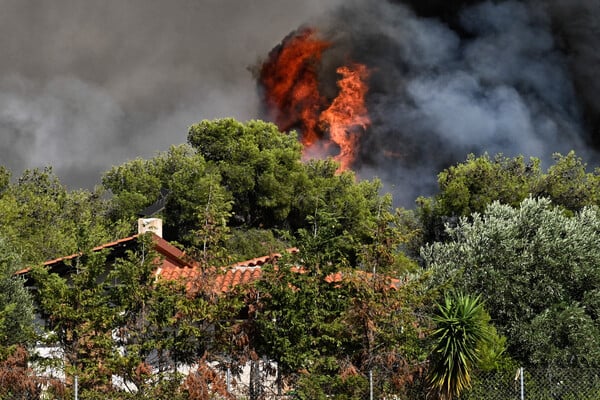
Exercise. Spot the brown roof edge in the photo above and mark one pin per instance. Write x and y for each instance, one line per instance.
(168, 250)
(162, 246)
(74, 255)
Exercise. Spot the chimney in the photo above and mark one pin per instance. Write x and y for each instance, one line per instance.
(153, 225)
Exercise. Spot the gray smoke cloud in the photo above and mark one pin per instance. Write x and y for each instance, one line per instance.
(509, 77)
(86, 85)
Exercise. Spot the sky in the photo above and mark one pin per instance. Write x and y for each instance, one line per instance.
(87, 85)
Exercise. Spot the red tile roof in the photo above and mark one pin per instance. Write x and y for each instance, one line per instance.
(72, 256)
(224, 280)
(175, 265)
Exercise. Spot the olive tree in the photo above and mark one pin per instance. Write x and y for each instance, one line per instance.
(536, 268)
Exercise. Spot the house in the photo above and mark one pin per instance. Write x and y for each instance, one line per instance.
(174, 264)
(170, 256)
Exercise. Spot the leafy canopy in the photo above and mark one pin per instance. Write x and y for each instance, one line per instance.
(469, 187)
(536, 267)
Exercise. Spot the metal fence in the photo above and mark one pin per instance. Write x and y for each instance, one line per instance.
(521, 384)
(536, 384)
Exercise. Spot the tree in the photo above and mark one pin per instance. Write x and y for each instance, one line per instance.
(16, 304)
(112, 318)
(535, 266)
(79, 319)
(336, 311)
(233, 178)
(17, 335)
(335, 217)
(461, 332)
(160, 325)
(568, 184)
(43, 220)
(135, 185)
(471, 186)
(260, 167)
(197, 207)
(297, 319)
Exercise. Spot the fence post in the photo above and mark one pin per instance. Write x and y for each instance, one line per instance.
(371, 384)
(228, 380)
(76, 387)
(522, 385)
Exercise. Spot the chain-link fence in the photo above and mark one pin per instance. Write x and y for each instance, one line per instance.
(523, 383)
(536, 384)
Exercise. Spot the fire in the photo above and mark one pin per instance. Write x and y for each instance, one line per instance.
(347, 112)
(291, 85)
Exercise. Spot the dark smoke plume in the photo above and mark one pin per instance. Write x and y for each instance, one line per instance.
(85, 85)
(454, 77)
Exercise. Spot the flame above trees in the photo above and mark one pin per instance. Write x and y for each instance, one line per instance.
(348, 112)
(290, 81)
(290, 78)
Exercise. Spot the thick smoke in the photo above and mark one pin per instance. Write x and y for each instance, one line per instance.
(85, 85)
(454, 78)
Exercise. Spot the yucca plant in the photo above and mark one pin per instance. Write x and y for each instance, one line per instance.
(461, 329)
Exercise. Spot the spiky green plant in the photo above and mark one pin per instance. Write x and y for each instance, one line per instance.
(462, 328)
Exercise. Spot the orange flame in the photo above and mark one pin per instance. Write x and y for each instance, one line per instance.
(290, 81)
(347, 112)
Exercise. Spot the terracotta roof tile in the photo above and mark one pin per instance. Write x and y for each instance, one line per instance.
(176, 266)
(225, 280)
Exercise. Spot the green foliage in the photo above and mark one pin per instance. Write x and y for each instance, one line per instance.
(260, 166)
(235, 191)
(235, 177)
(471, 186)
(134, 185)
(79, 318)
(296, 319)
(344, 223)
(16, 305)
(197, 208)
(120, 321)
(161, 326)
(569, 185)
(321, 387)
(492, 353)
(332, 329)
(246, 244)
(563, 334)
(461, 329)
(537, 270)
(385, 328)
(44, 220)
(4, 178)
